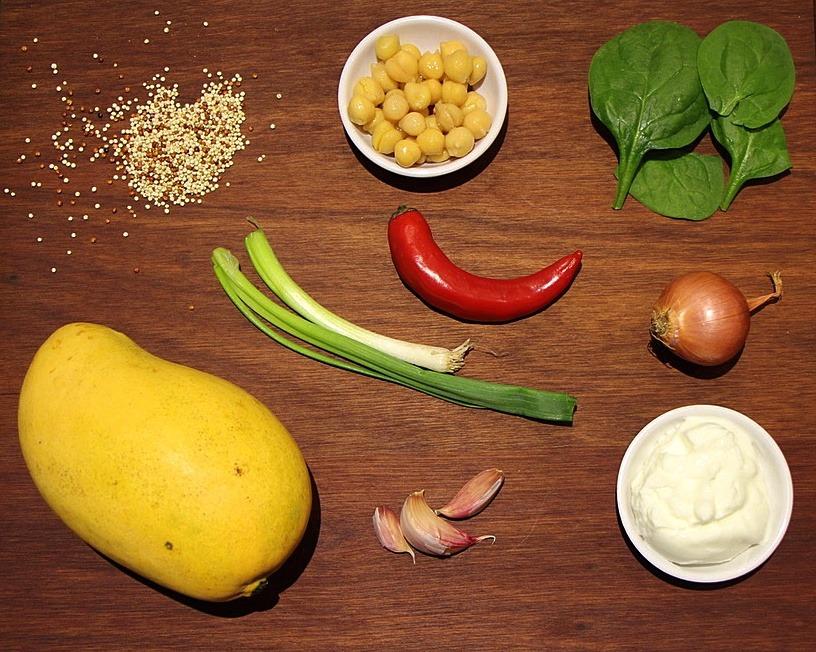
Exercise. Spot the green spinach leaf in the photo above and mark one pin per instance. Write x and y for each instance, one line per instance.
(645, 87)
(747, 72)
(682, 185)
(755, 153)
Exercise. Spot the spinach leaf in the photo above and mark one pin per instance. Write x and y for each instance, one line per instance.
(755, 153)
(644, 86)
(747, 72)
(683, 185)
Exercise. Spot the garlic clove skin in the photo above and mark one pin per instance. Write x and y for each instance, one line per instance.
(389, 534)
(429, 533)
(474, 496)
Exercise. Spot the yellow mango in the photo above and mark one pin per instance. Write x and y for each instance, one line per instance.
(176, 474)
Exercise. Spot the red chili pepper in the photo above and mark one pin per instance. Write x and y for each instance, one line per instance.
(425, 268)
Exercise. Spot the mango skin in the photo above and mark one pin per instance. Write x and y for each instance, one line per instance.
(176, 474)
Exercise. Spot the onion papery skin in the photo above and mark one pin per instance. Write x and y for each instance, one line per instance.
(702, 318)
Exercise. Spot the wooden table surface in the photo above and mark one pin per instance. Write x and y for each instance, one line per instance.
(560, 574)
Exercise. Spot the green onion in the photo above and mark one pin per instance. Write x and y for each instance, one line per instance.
(276, 278)
(351, 355)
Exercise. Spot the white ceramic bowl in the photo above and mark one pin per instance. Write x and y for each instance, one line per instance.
(772, 464)
(426, 32)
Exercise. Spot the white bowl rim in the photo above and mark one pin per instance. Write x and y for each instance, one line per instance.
(426, 170)
(747, 561)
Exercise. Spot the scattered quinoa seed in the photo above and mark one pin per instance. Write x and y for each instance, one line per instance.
(167, 152)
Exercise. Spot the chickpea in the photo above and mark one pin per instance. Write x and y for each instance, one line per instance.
(412, 49)
(402, 67)
(479, 70)
(370, 88)
(439, 158)
(458, 66)
(448, 47)
(459, 141)
(379, 117)
(387, 46)
(407, 152)
(379, 73)
(412, 123)
(385, 137)
(378, 131)
(435, 87)
(448, 116)
(431, 65)
(430, 122)
(454, 92)
(474, 100)
(388, 142)
(477, 122)
(418, 95)
(360, 110)
(395, 106)
(431, 142)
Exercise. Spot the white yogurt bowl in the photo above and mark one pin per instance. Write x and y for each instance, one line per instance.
(426, 32)
(772, 464)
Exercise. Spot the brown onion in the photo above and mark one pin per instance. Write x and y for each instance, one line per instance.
(705, 319)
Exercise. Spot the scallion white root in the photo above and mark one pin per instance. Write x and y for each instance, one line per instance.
(276, 278)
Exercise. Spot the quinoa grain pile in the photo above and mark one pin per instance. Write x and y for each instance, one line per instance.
(173, 153)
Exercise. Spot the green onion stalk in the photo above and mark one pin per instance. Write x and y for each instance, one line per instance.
(344, 352)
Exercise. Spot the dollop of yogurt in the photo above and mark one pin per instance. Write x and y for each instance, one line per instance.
(699, 496)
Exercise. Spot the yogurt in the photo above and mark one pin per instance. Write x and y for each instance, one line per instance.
(699, 496)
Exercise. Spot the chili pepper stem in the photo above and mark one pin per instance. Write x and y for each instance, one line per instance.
(402, 208)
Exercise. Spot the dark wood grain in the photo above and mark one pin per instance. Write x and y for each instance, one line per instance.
(560, 574)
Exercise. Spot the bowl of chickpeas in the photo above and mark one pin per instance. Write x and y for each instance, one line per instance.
(422, 96)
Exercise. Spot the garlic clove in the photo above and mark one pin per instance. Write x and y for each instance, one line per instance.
(474, 496)
(389, 534)
(429, 533)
